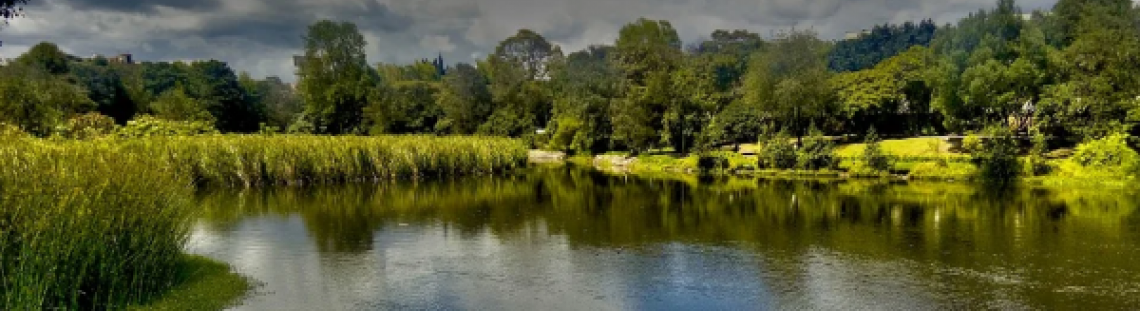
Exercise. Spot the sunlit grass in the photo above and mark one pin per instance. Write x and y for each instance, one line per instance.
(102, 224)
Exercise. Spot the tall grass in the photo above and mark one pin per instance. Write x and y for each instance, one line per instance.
(86, 228)
(275, 160)
(101, 224)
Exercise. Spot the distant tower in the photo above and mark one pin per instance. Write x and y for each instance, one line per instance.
(439, 67)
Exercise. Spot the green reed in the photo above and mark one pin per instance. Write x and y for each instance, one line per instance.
(101, 224)
(252, 160)
(86, 228)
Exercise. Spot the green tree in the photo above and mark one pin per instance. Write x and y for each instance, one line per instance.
(281, 103)
(177, 105)
(894, 90)
(465, 100)
(405, 107)
(36, 101)
(335, 79)
(106, 88)
(520, 69)
(647, 53)
(585, 84)
(216, 83)
(788, 82)
(1096, 85)
(46, 56)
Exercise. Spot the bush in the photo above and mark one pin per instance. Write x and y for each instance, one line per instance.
(148, 126)
(778, 152)
(87, 126)
(1109, 157)
(817, 153)
(873, 156)
(943, 170)
(997, 160)
(971, 143)
(1035, 164)
(8, 131)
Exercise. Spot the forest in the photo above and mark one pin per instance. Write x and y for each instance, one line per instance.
(1067, 74)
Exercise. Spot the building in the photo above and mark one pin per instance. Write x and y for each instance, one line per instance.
(852, 35)
(123, 59)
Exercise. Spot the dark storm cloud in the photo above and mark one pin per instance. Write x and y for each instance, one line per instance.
(259, 36)
(136, 6)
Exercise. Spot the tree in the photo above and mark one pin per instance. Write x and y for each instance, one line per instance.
(281, 103)
(215, 83)
(46, 56)
(405, 107)
(520, 68)
(177, 105)
(1097, 86)
(106, 88)
(881, 43)
(585, 84)
(895, 89)
(465, 100)
(36, 101)
(788, 82)
(647, 53)
(335, 80)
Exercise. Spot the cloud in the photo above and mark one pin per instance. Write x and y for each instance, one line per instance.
(259, 36)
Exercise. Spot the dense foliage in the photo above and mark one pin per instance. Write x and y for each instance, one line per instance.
(1065, 73)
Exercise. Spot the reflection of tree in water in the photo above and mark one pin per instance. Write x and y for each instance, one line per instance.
(592, 208)
(1042, 234)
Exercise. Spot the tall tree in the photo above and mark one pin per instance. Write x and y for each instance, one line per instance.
(465, 100)
(585, 84)
(647, 53)
(520, 68)
(335, 79)
(788, 82)
(46, 56)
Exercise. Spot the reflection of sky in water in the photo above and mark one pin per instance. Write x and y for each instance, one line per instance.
(586, 244)
(417, 267)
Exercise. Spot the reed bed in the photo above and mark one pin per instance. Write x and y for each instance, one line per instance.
(87, 228)
(246, 161)
(102, 224)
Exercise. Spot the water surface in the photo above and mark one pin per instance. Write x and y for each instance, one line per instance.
(571, 239)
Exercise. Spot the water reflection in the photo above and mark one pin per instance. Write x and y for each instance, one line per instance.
(562, 238)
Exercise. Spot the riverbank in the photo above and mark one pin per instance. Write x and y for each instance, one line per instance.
(1102, 163)
(103, 224)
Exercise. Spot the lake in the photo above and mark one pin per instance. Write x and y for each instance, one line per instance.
(561, 238)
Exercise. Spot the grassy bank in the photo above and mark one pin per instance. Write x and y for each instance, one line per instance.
(1108, 162)
(102, 224)
(202, 284)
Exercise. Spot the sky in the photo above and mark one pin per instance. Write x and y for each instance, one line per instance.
(260, 36)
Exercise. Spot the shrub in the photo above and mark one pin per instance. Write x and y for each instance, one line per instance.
(1035, 163)
(817, 153)
(778, 152)
(87, 126)
(997, 160)
(148, 126)
(8, 131)
(971, 143)
(873, 156)
(1108, 157)
(943, 170)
